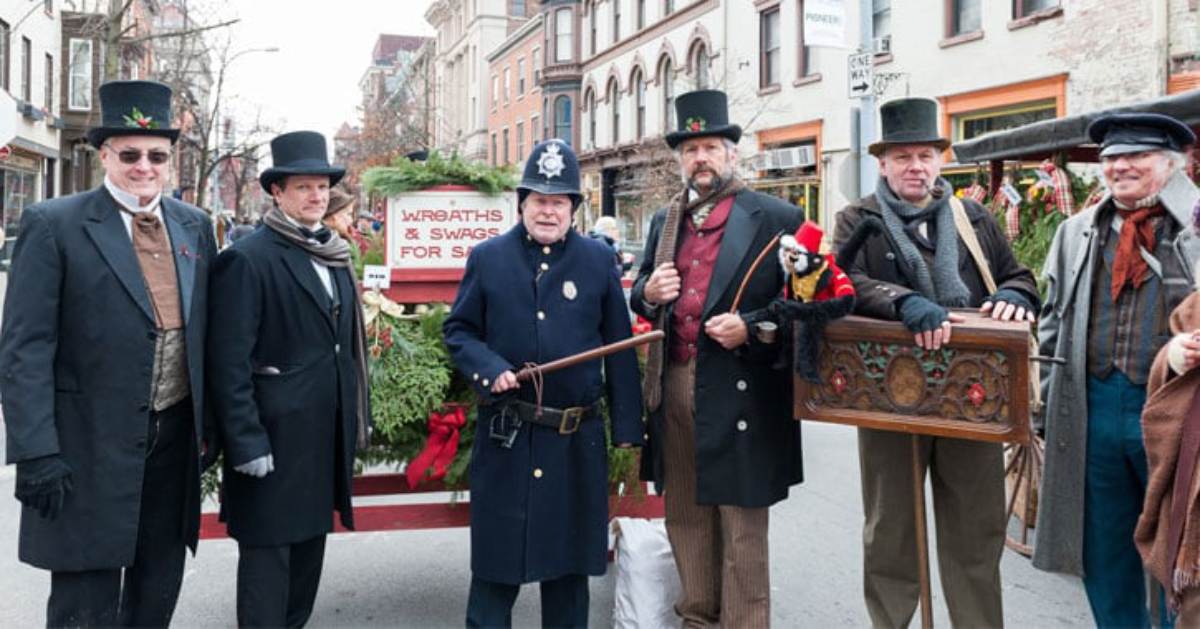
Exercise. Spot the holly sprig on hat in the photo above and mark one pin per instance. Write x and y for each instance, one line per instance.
(136, 119)
(695, 124)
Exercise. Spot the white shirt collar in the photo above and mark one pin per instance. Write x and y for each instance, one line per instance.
(130, 201)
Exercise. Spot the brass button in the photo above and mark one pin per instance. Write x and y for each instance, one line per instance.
(541, 315)
(537, 472)
(546, 250)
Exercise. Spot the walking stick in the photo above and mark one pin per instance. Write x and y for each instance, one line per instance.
(922, 534)
(531, 370)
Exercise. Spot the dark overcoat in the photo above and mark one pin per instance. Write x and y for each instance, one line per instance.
(282, 381)
(881, 276)
(540, 509)
(76, 355)
(747, 444)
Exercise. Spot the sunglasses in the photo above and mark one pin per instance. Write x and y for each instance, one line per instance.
(133, 156)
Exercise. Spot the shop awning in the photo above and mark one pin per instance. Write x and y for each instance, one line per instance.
(1042, 139)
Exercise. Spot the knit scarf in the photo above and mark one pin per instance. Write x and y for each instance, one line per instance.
(334, 253)
(1137, 232)
(944, 285)
(679, 208)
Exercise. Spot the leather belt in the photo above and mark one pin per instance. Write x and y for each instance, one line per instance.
(566, 420)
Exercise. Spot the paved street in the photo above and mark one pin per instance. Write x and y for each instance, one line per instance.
(419, 579)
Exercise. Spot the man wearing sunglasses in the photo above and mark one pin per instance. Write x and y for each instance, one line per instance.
(101, 374)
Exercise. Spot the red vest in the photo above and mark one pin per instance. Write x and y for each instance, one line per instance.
(695, 259)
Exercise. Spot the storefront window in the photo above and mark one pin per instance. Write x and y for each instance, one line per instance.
(974, 124)
(19, 191)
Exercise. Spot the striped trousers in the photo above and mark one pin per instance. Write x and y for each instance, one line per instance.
(720, 551)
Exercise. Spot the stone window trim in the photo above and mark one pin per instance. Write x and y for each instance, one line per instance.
(807, 79)
(770, 89)
(956, 40)
(1038, 16)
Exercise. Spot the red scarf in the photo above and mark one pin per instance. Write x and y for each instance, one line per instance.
(1136, 231)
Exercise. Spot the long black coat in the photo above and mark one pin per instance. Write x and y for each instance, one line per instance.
(282, 381)
(747, 444)
(76, 355)
(540, 509)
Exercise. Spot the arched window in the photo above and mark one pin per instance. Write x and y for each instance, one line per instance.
(700, 63)
(666, 78)
(562, 119)
(590, 100)
(639, 104)
(614, 99)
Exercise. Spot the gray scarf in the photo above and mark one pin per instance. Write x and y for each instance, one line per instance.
(944, 286)
(335, 253)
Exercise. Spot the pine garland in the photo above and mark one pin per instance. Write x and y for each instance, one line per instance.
(405, 175)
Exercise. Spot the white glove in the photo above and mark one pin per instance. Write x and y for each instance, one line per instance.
(257, 468)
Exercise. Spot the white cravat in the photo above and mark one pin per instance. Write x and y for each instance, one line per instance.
(130, 202)
(321, 269)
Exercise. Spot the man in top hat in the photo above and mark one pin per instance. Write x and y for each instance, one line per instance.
(288, 378)
(103, 377)
(539, 473)
(722, 442)
(1114, 273)
(914, 269)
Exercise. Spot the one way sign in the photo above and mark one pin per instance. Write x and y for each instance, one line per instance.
(862, 69)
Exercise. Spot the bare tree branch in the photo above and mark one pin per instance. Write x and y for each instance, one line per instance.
(184, 33)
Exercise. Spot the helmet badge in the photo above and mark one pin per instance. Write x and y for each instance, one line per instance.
(551, 162)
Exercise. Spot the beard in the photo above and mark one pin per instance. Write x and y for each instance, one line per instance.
(717, 180)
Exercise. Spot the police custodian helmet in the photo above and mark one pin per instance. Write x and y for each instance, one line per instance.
(552, 168)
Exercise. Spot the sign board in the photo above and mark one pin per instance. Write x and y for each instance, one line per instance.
(862, 74)
(377, 276)
(436, 229)
(825, 23)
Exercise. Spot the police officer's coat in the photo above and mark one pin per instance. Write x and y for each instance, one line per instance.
(540, 510)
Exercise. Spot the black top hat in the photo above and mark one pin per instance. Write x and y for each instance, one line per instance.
(552, 168)
(299, 153)
(702, 113)
(419, 155)
(908, 121)
(133, 108)
(1133, 133)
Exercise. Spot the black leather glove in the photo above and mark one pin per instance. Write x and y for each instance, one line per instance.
(920, 314)
(1012, 296)
(43, 483)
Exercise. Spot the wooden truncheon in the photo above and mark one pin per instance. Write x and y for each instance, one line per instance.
(874, 376)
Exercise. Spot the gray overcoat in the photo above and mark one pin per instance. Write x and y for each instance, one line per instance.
(1062, 332)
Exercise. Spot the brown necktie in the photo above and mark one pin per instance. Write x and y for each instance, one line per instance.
(153, 250)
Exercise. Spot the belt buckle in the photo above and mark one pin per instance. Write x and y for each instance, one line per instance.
(574, 413)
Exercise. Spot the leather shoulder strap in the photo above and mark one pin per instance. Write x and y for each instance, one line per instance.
(967, 233)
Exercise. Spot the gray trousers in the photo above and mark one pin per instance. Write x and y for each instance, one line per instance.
(968, 506)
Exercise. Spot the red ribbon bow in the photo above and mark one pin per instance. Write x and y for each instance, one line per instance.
(440, 447)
